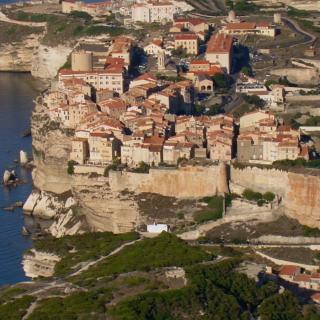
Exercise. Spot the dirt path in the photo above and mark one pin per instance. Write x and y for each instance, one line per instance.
(92, 263)
(4, 18)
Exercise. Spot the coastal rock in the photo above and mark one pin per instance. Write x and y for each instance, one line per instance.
(6, 176)
(38, 263)
(66, 225)
(23, 157)
(47, 206)
(31, 202)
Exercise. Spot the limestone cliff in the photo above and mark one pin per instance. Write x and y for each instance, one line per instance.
(46, 61)
(302, 200)
(298, 188)
(18, 56)
(30, 56)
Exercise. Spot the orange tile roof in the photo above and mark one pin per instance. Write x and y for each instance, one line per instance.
(240, 26)
(186, 36)
(288, 270)
(219, 43)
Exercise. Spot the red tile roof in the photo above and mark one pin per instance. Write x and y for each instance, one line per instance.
(288, 270)
(186, 36)
(219, 43)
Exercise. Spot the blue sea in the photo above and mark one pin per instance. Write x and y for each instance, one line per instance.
(17, 92)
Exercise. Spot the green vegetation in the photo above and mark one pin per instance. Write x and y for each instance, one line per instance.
(168, 78)
(220, 81)
(179, 52)
(281, 306)
(254, 100)
(258, 197)
(70, 168)
(218, 291)
(244, 7)
(142, 168)
(80, 248)
(15, 33)
(134, 281)
(311, 232)
(164, 250)
(307, 24)
(8, 293)
(247, 70)
(80, 15)
(62, 28)
(297, 13)
(215, 212)
(297, 163)
(268, 196)
(113, 166)
(16, 309)
(80, 305)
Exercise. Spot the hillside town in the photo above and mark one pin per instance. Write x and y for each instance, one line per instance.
(175, 159)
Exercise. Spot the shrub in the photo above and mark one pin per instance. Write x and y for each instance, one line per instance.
(87, 246)
(268, 196)
(148, 254)
(71, 165)
(251, 195)
(180, 215)
(215, 203)
(142, 168)
(16, 309)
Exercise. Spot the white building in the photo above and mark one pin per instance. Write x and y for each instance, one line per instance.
(219, 50)
(153, 12)
(111, 78)
(157, 228)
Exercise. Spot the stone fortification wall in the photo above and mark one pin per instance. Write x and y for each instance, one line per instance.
(298, 98)
(302, 200)
(261, 180)
(185, 182)
(300, 190)
(303, 76)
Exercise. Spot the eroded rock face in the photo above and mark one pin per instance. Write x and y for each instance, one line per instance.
(37, 263)
(302, 200)
(18, 56)
(51, 149)
(46, 61)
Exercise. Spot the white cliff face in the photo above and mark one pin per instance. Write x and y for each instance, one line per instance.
(37, 263)
(17, 56)
(30, 56)
(46, 61)
(65, 225)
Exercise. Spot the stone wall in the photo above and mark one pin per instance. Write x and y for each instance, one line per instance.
(302, 199)
(185, 182)
(303, 76)
(261, 180)
(300, 190)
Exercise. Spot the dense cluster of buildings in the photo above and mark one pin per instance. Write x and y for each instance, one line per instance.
(262, 139)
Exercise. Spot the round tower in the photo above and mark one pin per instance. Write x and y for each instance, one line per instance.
(81, 61)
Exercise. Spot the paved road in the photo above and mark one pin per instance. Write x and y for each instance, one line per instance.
(294, 26)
